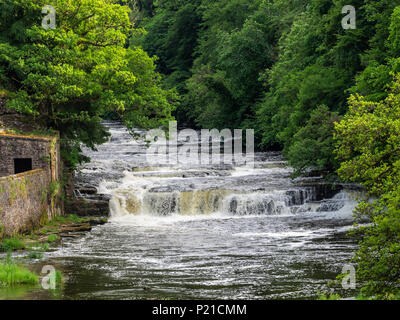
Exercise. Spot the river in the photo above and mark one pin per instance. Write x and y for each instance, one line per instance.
(212, 232)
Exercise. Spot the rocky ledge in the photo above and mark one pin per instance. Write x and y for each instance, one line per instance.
(86, 202)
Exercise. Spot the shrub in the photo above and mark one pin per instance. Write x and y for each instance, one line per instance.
(59, 278)
(12, 274)
(368, 144)
(35, 255)
(326, 296)
(313, 145)
(52, 238)
(11, 244)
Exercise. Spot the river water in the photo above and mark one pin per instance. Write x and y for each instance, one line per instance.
(211, 232)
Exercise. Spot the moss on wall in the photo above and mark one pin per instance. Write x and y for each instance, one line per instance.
(34, 197)
(26, 201)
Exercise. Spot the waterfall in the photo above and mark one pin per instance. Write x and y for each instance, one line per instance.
(138, 202)
(230, 231)
(120, 170)
(228, 202)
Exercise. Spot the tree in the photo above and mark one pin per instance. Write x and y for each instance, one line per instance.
(236, 44)
(368, 144)
(68, 77)
(317, 63)
(313, 144)
(269, 64)
(171, 36)
(381, 57)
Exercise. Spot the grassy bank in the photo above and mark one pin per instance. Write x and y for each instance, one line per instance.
(50, 234)
(15, 273)
(12, 274)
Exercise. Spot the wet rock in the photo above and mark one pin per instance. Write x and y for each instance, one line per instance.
(69, 235)
(79, 227)
(96, 221)
(330, 206)
(84, 207)
(87, 190)
(296, 197)
(233, 206)
(222, 166)
(162, 189)
(163, 204)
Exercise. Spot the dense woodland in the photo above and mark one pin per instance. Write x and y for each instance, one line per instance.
(328, 97)
(284, 68)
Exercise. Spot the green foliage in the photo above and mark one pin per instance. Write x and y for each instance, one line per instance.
(37, 247)
(171, 35)
(317, 63)
(67, 78)
(269, 64)
(44, 247)
(59, 278)
(312, 145)
(54, 188)
(35, 255)
(44, 231)
(11, 244)
(65, 219)
(373, 82)
(326, 296)
(53, 238)
(235, 48)
(288, 68)
(11, 274)
(368, 144)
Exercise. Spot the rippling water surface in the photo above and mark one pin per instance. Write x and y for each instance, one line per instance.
(211, 232)
(211, 257)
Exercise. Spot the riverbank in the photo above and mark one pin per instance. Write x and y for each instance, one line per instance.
(20, 254)
(70, 226)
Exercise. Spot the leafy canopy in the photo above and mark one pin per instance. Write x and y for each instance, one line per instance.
(69, 77)
(368, 144)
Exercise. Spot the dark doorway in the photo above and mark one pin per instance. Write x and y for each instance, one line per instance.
(22, 165)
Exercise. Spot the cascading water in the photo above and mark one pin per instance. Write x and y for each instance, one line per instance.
(137, 189)
(216, 231)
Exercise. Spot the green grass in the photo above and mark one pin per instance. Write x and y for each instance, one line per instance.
(59, 278)
(44, 247)
(35, 255)
(52, 238)
(44, 231)
(325, 296)
(12, 244)
(38, 247)
(11, 274)
(70, 218)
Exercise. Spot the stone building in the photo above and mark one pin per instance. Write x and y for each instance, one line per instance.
(24, 153)
(30, 171)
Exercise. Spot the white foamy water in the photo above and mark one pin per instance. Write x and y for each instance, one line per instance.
(213, 232)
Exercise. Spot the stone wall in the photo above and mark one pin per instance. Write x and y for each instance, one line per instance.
(30, 198)
(38, 149)
(25, 202)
